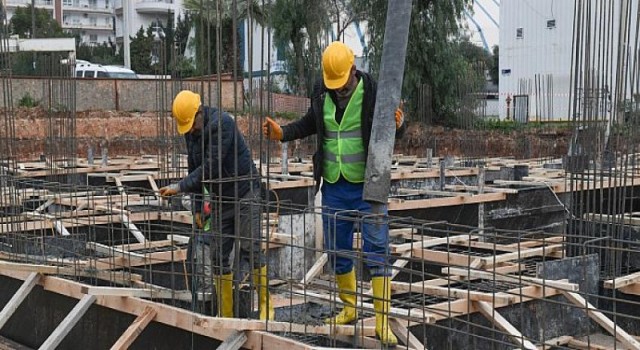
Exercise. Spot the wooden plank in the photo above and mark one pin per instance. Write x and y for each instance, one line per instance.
(400, 263)
(420, 287)
(133, 228)
(178, 238)
(583, 345)
(18, 297)
(622, 281)
(234, 342)
(429, 242)
(532, 243)
(68, 323)
(118, 262)
(492, 315)
(214, 327)
(146, 245)
(137, 326)
(488, 275)
(105, 249)
(444, 258)
(404, 335)
(600, 318)
(522, 254)
(631, 289)
(444, 202)
(315, 270)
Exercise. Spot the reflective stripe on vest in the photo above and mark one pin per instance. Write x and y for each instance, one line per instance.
(344, 152)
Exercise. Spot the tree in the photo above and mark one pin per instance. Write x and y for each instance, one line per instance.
(104, 53)
(494, 69)
(434, 54)
(46, 26)
(141, 47)
(206, 19)
(300, 24)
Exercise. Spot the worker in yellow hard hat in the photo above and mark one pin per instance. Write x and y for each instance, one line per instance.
(220, 164)
(341, 115)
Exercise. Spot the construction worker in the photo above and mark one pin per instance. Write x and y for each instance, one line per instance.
(341, 114)
(217, 151)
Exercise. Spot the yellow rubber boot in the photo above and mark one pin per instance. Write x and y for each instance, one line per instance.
(347, 292)
(262, 286)
(224, 293)
(382, 305)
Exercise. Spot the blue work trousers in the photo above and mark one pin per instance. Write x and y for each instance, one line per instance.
(342, 209)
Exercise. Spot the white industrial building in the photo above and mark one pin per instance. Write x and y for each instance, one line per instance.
(536, 50)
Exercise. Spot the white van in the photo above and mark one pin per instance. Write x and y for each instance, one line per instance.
(86, 69)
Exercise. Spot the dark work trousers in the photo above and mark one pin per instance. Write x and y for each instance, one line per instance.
(245, 228)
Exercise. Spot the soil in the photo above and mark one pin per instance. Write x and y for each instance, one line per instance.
(135, 133)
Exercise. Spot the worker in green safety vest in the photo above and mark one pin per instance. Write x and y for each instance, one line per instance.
(341, 114)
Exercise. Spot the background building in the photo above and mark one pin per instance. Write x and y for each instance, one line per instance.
(131, 15)
(539, 62)
(91, 20)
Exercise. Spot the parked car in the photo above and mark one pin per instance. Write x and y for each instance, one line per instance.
(86, 69)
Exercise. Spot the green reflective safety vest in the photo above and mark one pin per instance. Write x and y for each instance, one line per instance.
(344, 151)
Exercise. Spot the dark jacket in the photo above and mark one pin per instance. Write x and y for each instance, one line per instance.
(212, 156)
(313, 121)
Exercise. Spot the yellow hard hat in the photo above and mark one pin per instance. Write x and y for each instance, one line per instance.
(184, 109)
(337, 61)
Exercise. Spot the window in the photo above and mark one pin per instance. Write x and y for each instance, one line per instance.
(103, 75)
(106, 4)
(67, 2)
(89, 74)
(65, 19)
(93, 38)
(93, 3)
(519, 33)
(551, 24)
(93, 21)
(79, 73)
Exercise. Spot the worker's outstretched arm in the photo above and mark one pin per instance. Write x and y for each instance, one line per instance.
(305, 126)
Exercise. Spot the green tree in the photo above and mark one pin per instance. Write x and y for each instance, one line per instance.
(104, 53)
(494, 69)
(300, 24)
(46, 26)
(206, 20)
(181, 67)
(434, 54)
(140, 50)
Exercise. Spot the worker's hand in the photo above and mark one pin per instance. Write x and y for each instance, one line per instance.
(197, 218)
(399, 116)
(272, 130)
(170, 190)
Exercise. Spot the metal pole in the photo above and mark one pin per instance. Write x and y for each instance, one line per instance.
(378, 172)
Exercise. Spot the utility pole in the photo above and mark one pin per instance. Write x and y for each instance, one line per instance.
(126, 40)
(33, 31)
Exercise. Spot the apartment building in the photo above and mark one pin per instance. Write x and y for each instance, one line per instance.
(92, 20)
(130, 15)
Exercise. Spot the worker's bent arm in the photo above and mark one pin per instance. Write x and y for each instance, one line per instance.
(209, 168)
